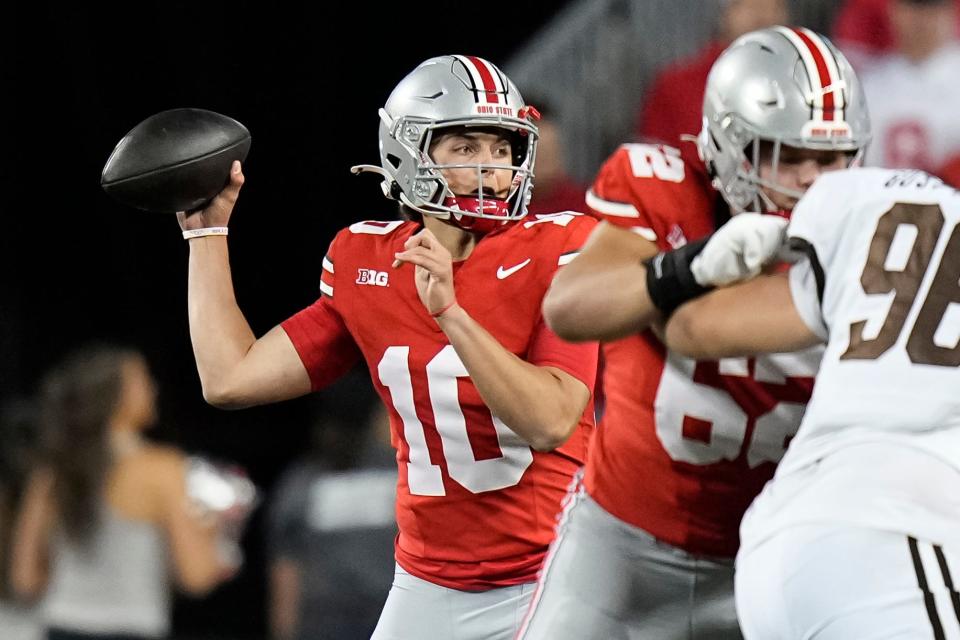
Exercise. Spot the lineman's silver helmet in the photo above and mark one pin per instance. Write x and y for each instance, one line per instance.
(787, 86)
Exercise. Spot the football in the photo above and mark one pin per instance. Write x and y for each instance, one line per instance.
(176, 160)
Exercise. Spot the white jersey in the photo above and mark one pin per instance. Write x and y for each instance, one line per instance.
(881, 287)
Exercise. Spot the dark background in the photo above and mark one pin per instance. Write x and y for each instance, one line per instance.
(76, 266)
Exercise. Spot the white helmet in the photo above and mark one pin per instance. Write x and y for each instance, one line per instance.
(454, 91)
(787, 86)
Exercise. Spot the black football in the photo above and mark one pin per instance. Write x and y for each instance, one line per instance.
(175, 160)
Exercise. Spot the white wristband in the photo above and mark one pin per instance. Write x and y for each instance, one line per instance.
(190, 234)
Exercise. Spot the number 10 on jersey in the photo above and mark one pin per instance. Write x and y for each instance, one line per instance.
(425, 478)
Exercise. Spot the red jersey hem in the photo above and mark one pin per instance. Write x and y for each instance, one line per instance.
(474, 584)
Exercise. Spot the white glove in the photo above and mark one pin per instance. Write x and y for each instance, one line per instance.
(739, 249)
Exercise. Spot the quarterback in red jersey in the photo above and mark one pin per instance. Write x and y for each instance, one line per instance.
(490, 411)
(646, 550)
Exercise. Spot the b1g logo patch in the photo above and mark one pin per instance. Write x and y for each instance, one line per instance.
(373, 277)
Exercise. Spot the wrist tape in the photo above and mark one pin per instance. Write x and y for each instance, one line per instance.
(670, 282)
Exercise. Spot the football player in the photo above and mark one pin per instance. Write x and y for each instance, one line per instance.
(490, 411)
(858, 534)
(646, 549)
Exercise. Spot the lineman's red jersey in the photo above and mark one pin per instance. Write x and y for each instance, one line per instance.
(476, 506)
(684, 446)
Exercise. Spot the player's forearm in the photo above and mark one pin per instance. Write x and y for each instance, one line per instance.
(602, 295)
(599, 302)
(757, 316)
(529, 399)
(220, 334)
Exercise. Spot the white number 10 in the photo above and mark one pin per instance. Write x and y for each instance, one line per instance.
(423, 477)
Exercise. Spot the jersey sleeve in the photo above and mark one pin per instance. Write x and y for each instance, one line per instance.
(638, 187)
(580, 230)
(806, 297)
(319, 333)
(547, 349)
(817, 222)
(816, 226)
(613, 197)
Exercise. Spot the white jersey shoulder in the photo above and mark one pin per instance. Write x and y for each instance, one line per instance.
(885, 252)
(839, 198)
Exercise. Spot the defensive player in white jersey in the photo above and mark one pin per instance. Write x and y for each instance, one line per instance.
(858, 534)
(647, 549)
(489, 411)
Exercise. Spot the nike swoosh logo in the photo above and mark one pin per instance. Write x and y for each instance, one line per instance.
(506, 273)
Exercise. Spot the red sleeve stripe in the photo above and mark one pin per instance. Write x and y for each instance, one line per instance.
(487, 81)
(326, 289)
(826, 90)
(327, 264)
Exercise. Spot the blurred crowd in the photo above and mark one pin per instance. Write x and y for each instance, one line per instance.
(80, 474)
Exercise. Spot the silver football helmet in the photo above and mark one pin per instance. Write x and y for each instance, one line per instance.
(454, 91)
(786, 86)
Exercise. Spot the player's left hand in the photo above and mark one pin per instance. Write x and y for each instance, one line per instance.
(740, 249)
(434, 270)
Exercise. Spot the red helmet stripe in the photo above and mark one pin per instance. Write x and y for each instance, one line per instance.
(823, 69)
(486, 74)
(826, 82)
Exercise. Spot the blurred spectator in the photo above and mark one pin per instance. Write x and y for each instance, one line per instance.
(553, 188)
(106, 517)
(17, 440)
(863, 31)
(913, 92)
(332, 524)
(673, 107)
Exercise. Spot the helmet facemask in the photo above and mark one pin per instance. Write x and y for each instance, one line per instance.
(741, 160)
(429, 191)
(455, 92)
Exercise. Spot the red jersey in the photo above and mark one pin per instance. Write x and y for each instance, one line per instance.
(684, 446)
(476, 506)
